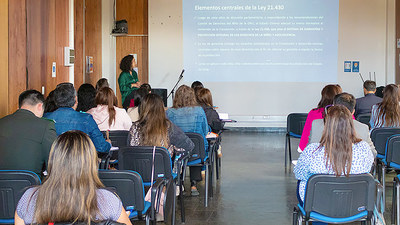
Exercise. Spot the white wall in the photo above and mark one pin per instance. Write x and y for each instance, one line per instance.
(366, 33)
(108, 43)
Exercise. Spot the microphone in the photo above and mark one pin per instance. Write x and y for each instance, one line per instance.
(182, 73)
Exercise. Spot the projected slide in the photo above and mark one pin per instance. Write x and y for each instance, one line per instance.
(260, 40)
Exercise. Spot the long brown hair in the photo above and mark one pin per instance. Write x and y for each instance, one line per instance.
(328, 94)
(69, 192)
(153, 121)
(184, 97)
(338, 137)
(204, 97)
(389, 108)
(106, 96)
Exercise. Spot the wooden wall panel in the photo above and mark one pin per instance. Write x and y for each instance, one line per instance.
(136, 13)
(4, 58)
(47, 35)
(16, 51)
(78, 43)
(93, 38)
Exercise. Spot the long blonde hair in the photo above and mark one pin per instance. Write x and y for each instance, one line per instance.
(184, 97)
(153, 122)
(338, 138)
(69, 192)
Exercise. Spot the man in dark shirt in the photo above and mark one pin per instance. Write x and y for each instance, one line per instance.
(364, 104)
(25, 137)
(66, 118)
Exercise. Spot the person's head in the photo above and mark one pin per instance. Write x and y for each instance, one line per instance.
(184, 97)
(147, 87)
(49, 103)
(153, 121)
(197, 84)
(32, 100)
(346, 100)
(204, 97)
(86, 95)
(106, 96)
(338, 137)
(139, 95)
(127, 63)
(69, 192)
(328, 93)
(103, 82)
(369, 87)
(389, 109)
(65, 95)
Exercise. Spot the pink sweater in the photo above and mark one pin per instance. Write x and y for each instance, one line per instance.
(100, 115)
(314, 114)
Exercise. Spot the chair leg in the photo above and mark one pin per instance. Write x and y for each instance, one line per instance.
(295, 215)
(384, 187)
(173, 206)
(397, 203)
(216, 162)
(206, 188)
(181, 200)
(286, 143)
(210, 184)
(290, 151)
(394, 201)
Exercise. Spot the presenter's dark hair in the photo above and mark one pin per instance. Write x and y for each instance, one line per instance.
(328, 93)
(370, 85)
(86, 96)
(126, 63)
(346, 100)
(197, 84)
(30, 97)
(103, 82)
(65, 95)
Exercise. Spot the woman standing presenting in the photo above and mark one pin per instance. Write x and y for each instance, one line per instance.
(128, 79)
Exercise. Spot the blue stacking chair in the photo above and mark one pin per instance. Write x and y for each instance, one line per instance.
(200, 157)
(128, 185)
(13, 184)
(393, 161)
(140, 158)
(336, 200)
(364, 118)
(294, 128)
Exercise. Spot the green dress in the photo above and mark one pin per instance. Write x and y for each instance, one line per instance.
(125, 80)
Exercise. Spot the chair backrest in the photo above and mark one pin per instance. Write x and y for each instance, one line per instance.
(392, 151)
(380, 135)
(13, 184)
(119, 138)
(339, 197)
(199, 149)
(128, 185)
(364, 118)
(140, 159)
(295, 123)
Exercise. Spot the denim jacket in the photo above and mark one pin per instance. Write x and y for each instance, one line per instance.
(67, 119)
(190, 119)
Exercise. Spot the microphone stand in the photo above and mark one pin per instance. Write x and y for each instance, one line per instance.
(173, 89)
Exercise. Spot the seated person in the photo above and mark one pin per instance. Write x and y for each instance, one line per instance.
(204, 98)
(106, 114)
(364, 104)
(154, 129)
(339, 151)
(138, 96)
(103, 82)
(387, 113)
(86, 95)
(327, 95)
(197, 84)
(49, 103)
(361, 129)
(66, 118)
(73, 190)
(130, 99)
(25, 137)
(190, 117)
